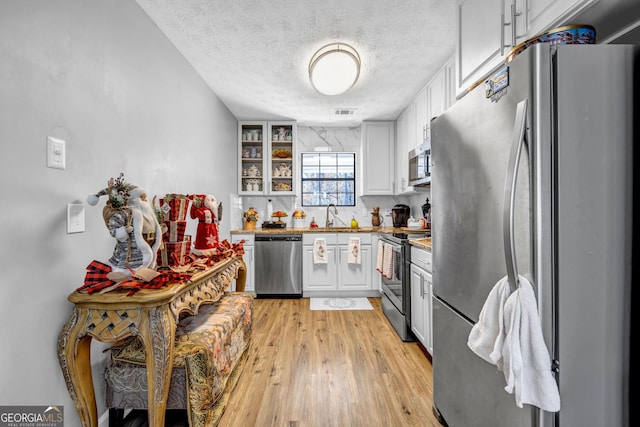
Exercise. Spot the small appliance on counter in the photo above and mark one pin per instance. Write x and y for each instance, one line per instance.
(400, 215)
(273, 224)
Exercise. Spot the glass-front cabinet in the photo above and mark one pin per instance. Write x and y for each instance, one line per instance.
(252, 136)
(267, 156)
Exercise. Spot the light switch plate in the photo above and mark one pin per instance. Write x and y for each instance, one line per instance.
(75, 218)
(56, 153)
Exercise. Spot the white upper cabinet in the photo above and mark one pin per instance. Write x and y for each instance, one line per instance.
(378, 158)
(487, 30)
(405, 130)
(440, 94)
(544, 15)
(479, 44)
(421, 111)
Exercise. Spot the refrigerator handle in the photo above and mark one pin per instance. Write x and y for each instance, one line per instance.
(518, 140)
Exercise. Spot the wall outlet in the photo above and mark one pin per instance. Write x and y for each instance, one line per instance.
(75, 218)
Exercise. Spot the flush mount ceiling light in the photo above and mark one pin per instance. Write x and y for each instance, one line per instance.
(334, 68)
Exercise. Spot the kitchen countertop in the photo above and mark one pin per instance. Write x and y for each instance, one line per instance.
(288, 230)
(424, 243)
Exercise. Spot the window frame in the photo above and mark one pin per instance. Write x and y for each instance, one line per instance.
(352, 180)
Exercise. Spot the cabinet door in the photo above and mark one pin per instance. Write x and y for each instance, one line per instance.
(252, 148)
(319, 277)
(404, 134)
(354, 277)
(421, 109)
(378, 158)
(480, 40)
(428, 312)
(417, 304)
(544, 15)
(248, 259)
(282, 160)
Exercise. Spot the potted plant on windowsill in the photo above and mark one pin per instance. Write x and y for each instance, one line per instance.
(249, 218)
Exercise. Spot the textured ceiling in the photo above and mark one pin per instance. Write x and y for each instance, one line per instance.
(254, 54)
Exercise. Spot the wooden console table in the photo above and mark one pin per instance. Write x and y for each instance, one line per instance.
(149, 314)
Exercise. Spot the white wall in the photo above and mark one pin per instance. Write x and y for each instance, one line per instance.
(101, 76)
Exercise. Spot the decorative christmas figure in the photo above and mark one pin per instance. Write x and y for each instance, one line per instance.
(133, 223)
(209, 214)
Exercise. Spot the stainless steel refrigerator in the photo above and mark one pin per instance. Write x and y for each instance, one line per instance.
(532, 175)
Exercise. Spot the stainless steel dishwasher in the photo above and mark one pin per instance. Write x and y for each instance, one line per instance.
(278, 263)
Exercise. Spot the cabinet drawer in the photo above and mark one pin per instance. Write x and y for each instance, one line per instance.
(249, 238)
(343, 238)
(421, 258)
(309, 238)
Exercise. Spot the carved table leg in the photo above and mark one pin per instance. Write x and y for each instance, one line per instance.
(242, 276)
(158, 334)
(74, 355)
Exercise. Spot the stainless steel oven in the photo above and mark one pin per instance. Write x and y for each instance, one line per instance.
(396, 291)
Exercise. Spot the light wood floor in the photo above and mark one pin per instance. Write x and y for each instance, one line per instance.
(326, 369)
(329, 368)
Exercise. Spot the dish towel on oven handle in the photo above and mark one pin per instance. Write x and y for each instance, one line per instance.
(379, 256)
(354, 251)
(388, 262)
(319, 251)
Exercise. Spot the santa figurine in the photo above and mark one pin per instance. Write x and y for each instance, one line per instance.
(209, 214)
(133, 223)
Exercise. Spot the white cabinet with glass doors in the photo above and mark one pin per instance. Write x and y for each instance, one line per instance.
(267, 158)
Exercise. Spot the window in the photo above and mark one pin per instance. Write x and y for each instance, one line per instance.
(328, 178)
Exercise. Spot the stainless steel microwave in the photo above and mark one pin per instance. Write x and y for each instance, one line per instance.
(420, 165)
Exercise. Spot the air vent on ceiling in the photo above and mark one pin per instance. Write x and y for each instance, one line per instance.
(344, 111)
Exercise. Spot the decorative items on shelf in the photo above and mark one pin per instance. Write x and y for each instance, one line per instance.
(132, 222)
(282, 170)
(208, 211)
(252, 153)
(252, 185)
(249, 219)
(172, 214)
(281, 153)
(281, 186)
(254, 135)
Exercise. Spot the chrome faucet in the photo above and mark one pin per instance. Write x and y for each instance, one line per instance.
(329, 224)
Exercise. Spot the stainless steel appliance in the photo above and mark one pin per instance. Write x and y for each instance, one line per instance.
(400, 215)
(278, 263)
(536, 180)
(419, 165)
(396, 292)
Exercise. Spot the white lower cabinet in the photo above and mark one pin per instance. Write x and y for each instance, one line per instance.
(338, 276)
(249, 243)
(421, 292)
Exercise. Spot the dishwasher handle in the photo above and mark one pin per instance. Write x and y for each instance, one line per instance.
(279, 238)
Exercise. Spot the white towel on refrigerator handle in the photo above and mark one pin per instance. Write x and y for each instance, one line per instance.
(508, 334)
(353, 246)
(526, 360)
(319, 251)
